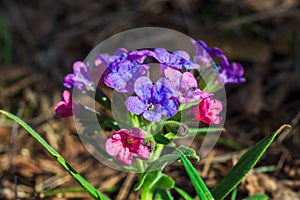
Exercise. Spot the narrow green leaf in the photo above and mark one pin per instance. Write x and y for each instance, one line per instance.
(244, 165)
(183, 194)
(257, 197)
(92, 191)
(161, 162)
(200, 186)
(234, 194)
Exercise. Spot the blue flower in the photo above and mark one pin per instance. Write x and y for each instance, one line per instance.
(152, 101)
(124, 75)
(176, 60)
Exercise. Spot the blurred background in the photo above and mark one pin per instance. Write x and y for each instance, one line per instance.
(39, 41)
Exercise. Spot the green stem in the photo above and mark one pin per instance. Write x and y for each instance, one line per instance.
(157, 152)
(140, 165)
(146, 194)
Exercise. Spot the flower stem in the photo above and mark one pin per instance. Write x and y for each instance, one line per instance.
(157, 152)
(146, 194)
(140, 165)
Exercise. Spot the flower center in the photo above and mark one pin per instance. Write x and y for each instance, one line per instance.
(130, 140)
(150, 107)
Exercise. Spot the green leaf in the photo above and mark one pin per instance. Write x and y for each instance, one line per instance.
(161, 162)
(244, 165)
(152, 181)
(183, 194)
(200, 186)
(161, 139)
(155, 179)
(162, 194)
(257, 197)
(234, 194)
(92, 191)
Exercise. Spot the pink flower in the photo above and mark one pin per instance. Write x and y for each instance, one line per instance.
(64, 108)
(207, 111)
(126, 145)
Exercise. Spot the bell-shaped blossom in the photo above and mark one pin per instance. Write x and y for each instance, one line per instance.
(185, 86)
(64, 108)
(228, 72)
(80, 78)
(152, 101)
(204, 55)
(231, 72)
(208, 111)
(176, 60)
(136, 56)
(124, 75)
(126, 145)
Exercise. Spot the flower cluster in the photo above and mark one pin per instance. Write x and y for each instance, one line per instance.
(152, 101)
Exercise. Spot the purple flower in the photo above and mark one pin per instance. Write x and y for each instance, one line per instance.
(80, 78)
(231, 72)
(123, 54)
(124, 74)
(64, 108)
(126, 145)
(176, 60)
(185, 86)
(228, 72)
(152, 100)
(204, 54)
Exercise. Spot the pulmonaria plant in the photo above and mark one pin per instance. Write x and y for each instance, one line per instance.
(154, 106)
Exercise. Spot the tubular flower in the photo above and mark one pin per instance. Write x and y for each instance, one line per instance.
(207, 111)
(227, 72)
(185, 86)
(64, 108)
(124, 75)
(80, 78)
(152, 100)
(126, 145)
(176, 60)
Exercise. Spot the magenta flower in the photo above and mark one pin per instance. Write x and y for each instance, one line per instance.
(80, 78)
(176, 60)
(207, 111)
(185, 86)
(126, 145)
(152, 101)
(64, 108)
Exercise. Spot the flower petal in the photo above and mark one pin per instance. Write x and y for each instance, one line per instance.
(114, 80)
(143, 87)
(152, 116)
(135, 105)
(174, 76)
(143, 152)
(162, 90)
(113, 147)
(168, 108)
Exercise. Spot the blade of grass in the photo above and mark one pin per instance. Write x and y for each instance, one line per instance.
(92, 191)
(244, 165)
(183, 194)
(200, 186)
